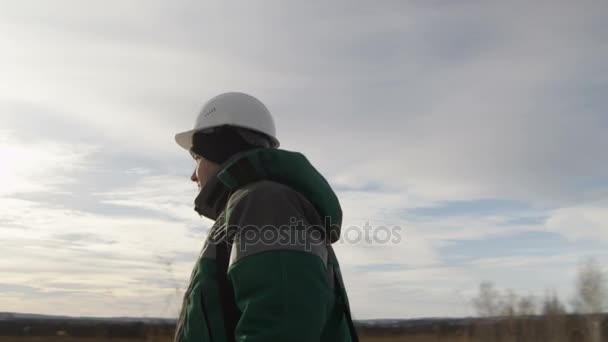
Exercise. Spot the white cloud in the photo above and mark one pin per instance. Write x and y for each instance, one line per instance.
(166, 195)
(584, 221)
(422, 103)
(477, 119)
(407, 293)
(31, 167)
(70, 254)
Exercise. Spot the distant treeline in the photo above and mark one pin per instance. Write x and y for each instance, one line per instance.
(590, 297)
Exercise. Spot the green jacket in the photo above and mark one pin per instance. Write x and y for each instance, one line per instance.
(267, 271)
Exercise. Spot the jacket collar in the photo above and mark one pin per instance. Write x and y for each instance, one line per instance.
(212, 198)
(285, 167)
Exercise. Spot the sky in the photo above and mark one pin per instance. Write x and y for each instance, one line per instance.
(478, 128)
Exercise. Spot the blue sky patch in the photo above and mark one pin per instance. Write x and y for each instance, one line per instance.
(469, 207)
(532, 243)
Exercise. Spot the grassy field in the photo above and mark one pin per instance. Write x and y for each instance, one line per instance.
(567, 328)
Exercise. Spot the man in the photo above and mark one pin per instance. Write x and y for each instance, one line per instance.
(267, 271)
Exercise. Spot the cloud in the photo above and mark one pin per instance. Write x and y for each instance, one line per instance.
(584, 221)
(70, 254)
(470, 94)
(30, 167)
(164, 195)
(459, 123)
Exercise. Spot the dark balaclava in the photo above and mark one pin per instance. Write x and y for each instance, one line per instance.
(222, 143)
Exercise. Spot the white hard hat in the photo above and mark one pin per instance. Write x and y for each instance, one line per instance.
(234, 109)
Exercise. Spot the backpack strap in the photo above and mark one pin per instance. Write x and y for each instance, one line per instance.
(229, 308)
(341, 293)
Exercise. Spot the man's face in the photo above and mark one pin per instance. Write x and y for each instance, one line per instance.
(203, 170)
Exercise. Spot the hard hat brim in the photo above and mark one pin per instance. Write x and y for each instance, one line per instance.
(184, 139)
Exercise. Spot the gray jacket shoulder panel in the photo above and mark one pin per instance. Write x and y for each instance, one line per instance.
(271, 216)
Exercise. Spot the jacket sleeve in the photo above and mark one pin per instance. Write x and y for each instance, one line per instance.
(278, 274)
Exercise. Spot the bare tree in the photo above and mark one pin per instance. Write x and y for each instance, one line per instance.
(508, 303)
(526, 306)
(552, 306)
(487, 301)
(491, 302)
(591, 289)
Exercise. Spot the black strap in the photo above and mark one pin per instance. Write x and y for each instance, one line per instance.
(341, 291)
(206, 317)
(231, 311)
(349, 320)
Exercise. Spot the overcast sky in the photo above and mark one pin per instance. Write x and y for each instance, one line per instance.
(478, 127)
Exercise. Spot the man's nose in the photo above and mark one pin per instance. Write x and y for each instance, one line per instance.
(193, 177)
